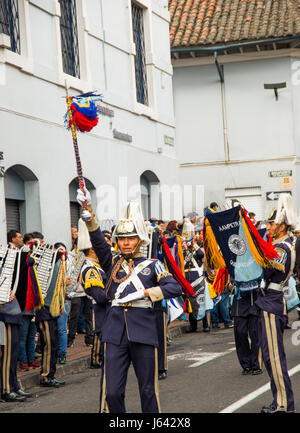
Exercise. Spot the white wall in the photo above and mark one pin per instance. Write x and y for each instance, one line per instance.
(263, 134)
(32, 105)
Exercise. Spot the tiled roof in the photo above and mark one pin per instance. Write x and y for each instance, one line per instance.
(212, 22)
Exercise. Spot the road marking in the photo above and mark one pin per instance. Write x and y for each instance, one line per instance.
(198, 356)
(243, 401)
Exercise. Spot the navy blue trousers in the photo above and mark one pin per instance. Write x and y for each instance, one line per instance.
(161, 323)
(247, 353)
(49, 348)
(117, 359)
(9, 359)
(271, 328)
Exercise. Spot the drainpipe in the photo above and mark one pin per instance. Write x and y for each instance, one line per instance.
(217, 49)
(220, 69)
(103, 45)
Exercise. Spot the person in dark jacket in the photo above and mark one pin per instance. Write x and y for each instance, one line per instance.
(129, 331)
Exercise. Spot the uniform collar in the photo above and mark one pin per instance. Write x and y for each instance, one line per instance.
(282, 239)
(94, 261)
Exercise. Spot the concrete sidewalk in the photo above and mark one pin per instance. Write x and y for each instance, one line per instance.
(78, 358)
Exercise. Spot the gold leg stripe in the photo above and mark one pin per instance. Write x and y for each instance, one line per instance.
(260, 361)
(165, 341)
(8, 356)
(277, 362)
(44, 327)
(4, 361)
(104, 407)
(272, 358)
(156, 380)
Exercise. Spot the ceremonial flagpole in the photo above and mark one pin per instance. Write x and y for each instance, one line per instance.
(75, 144)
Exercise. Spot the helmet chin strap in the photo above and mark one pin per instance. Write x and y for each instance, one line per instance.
(132, 254)
(276, 230)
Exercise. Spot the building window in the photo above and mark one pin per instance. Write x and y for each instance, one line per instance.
(9, 23)
(140, 60)
(69, 37)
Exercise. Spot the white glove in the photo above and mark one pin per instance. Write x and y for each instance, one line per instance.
(83, 197)
(132, 297)
(86, 215)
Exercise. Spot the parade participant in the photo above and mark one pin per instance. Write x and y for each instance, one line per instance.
(272, 305)
(245, 314)
(14, 281)
(129, 331)
(193, 267)
(54, 290)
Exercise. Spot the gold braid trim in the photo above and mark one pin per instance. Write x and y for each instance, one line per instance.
(278, 266)
(58, 301)
(163, 275)
(116, 270)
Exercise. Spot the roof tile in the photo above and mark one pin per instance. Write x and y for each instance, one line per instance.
(210, 22)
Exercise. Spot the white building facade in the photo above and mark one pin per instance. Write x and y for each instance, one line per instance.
(237, 100)
(118, 48)
(243, 143)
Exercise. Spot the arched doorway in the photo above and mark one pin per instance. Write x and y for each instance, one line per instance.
(150, 196)
(22, 199)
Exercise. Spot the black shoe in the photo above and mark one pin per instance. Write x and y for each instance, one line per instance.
(81, 331)
(13, 396)
(89, 341)
(51, 383)
(62, 359)
(162, 375)
(24, 394)
(246, 371)
(59, 381)
(215, 325)
(288, 326)
(191, 330)
(257, 371)
(95, 366)
(70, 343)
(271, 409)
(206, 329)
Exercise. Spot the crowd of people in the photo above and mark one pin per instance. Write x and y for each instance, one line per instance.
(38, 339)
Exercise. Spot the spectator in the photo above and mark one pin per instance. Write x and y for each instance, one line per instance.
(38, 236)
(27, 238)
(220, 312)
(172, 227)
(74, 235)
(162, 226)
(212, 208)
(252, 217)
(14, 239)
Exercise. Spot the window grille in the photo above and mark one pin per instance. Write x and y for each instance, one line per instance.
(69, 37)
(139, 61)
(9, 23)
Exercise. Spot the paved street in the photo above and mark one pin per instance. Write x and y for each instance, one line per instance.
(204, 377)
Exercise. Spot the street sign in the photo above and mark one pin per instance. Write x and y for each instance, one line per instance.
(280, 173)
(274, 195)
